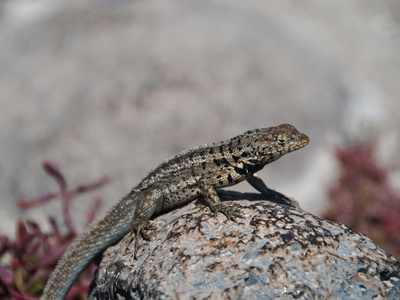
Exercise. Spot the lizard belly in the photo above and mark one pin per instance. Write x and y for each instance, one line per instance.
(174, 195)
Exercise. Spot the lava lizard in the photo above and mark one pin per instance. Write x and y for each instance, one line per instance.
(179, 179)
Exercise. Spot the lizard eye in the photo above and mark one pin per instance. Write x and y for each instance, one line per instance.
(282, 139)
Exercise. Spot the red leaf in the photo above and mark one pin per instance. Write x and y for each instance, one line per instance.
(92, 186)
(55, 172)
(66, 201)
(6, 276)
(26, 203)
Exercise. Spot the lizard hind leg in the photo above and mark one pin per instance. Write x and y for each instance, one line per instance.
(148, 203)
(143, 231)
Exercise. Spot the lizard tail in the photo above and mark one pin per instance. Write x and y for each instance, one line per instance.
(98, 236)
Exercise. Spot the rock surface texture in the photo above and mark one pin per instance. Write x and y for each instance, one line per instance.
(274, 252)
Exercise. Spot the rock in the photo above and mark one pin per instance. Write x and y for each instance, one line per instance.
(275, 251)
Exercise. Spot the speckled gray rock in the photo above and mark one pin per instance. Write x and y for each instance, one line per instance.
(274, 252)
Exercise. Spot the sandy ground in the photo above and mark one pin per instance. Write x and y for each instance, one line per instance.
(114, 87)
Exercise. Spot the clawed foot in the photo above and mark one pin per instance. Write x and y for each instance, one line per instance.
(290, 201)
(148, 229)
(143, 231)
(278, 196)
(230, 212)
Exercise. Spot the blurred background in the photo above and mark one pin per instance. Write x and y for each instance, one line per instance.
(115, 87)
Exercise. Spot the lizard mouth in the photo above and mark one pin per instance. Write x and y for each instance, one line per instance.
(305, 140)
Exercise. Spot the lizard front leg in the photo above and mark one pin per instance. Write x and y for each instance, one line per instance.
(257, 183)
(207, 189)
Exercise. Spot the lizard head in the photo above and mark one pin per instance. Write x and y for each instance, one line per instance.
(264, 145)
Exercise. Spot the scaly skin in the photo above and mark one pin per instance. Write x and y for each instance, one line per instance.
(179, 179)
